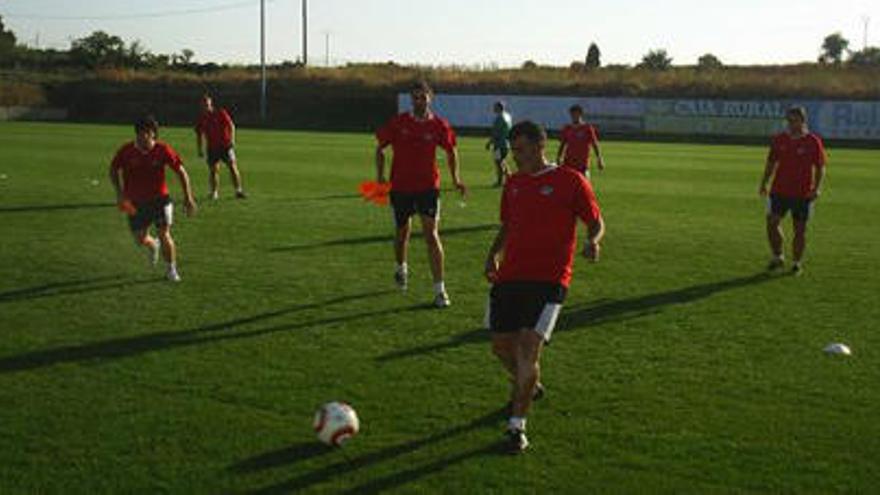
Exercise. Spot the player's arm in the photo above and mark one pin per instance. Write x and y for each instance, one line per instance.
(818, 177)
(189, 201)
(452, 162)
(116, 181)
(199, 148)
(595, 233)
(560, 153)
(769, 170)
(231, 128)
(380, 163)
(600, 162)
(495, 251)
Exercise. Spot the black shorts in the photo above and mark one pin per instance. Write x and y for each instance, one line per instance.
(158, 211)
(225, 155)
(801, 208)
(407, 204)
(517, 305)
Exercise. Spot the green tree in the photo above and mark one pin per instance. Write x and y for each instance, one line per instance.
(656, 60)
(98, 49)
(833, 48)
(593, 57)
(7, 41)
(709, 62)
(870, 56)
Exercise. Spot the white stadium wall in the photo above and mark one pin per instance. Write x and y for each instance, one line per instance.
(844, 120)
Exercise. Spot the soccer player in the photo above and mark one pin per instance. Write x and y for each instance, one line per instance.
(575, 142)
(498, 142)
(216, 125)
(530, 264)
(415, 180)
(137, 173)
(797, 164)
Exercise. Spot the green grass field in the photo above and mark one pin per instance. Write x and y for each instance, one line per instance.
(676, 367)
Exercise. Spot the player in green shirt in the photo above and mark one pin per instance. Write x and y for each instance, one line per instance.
(499, 142)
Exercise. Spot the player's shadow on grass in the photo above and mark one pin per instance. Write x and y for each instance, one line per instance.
(227, 330)
(598, 313)
(376, 239)
(347, 465)
(637, 307)
(62, 207)
(73, 287)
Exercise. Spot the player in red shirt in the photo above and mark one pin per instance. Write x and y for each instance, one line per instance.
(415, 180)
(530, 264)
(797, 164)
(137, 173)
(216, 125)
(575, 142)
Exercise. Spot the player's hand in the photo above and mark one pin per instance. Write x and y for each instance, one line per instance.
(200, 153)
(601, 164)
(491, 270)
(488, 146)
(461, 188)
(190, 206)
(762, 191)
(591, 251)
(814, 194)
(381, 179)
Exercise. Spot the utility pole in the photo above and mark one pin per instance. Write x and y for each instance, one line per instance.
(263, 61)
(305, 23)
(327, 48)
(866, 20)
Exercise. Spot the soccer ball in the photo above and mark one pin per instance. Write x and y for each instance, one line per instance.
(335, 423)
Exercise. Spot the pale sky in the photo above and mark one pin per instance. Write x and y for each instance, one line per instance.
(469, 32)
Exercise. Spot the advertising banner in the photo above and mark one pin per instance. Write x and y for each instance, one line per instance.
(652, 116)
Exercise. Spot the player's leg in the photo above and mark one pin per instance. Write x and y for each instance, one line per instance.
(776, 209)
(499, 169)
(169, 252)
(504, 348)
(527, 350)
(139, 223)
(799, 244)
(213, 177)
(435, 258)
(403, 208)
(143, 238)
(232, 164)
(164, 219)
(428, 208)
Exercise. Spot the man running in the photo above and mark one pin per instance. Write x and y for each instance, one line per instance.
(137, 173)
(530, 264)
(575, 142)
(415, 180)
(796, 162)
(499, 143)
(216, 125)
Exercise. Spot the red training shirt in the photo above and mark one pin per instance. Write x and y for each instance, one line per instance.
(796, 158)
(217, 126)
(143, 173)
(539, 212)
(414, 143)
(578, 139)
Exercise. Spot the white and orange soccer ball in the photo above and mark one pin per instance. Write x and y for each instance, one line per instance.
(335, 423)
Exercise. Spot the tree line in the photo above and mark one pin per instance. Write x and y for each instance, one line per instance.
(100, 49)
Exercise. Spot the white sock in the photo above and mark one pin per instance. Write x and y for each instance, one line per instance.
(439, 287)
(401, 268)
(172, 267)
(516, 423)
